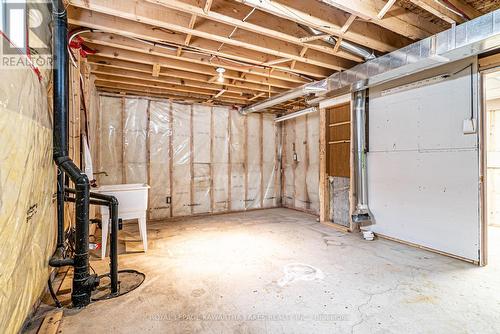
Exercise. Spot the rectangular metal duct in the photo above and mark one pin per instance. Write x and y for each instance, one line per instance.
(468, 39)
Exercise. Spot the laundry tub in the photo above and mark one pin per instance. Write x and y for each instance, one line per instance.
(133, 204)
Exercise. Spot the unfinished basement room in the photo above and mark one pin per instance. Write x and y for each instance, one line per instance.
(250, 166)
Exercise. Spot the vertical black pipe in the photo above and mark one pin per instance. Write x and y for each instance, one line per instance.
(113, 251)
(60, 209)
(83, 282)
(61, 102)
(82, 286)
(61, 80)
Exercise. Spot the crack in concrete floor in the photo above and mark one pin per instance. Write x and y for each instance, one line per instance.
(231, 264)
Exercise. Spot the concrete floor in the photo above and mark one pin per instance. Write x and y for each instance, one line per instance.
(278, 271)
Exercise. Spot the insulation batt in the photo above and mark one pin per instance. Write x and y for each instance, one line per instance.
(197, 159)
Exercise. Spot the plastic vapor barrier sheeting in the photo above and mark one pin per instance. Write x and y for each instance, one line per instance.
(198, 159)
(301, 163)
(27, 184)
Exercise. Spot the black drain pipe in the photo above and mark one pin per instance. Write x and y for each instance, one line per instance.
(112, 203)
(83, 282)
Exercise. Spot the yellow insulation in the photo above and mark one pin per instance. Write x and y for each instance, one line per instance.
(27, 180)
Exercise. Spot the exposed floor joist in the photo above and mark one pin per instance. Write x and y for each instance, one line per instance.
(159, 16)
(227, 14)
(439, 10)
(119, 26)
(131, 68)
(330, 20)
(396, 19)
(176, 46)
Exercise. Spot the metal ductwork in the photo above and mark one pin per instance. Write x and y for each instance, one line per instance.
(303, 90)
(352, 48)
(463, 41)
(345, 45)
(361, 215)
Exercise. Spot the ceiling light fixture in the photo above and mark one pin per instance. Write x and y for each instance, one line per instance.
(220, 72)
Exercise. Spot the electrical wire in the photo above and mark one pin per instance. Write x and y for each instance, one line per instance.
(53, 295)
(471, 68)
(174, 46)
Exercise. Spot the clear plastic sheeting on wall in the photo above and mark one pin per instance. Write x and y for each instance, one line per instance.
(111, 141)
(198, 159)
(301, 163)
(27, 185)
(135, 125)
(160, 167)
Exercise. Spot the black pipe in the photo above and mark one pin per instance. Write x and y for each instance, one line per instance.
(113, 247)
(91, 201)
(112, 203)
(60, 208)
(83, 282)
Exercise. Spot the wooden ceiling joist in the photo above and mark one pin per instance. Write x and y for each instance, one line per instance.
(159, 16)
(465, 8)
(401, 21)
(138, 57)
(187, 84)
(119, 26)
(117, 87)
(388, 5)
(125, 43)
(133, 68)
(330, 20)
(173, 48)
(165, 86)
(439, 10)
(223, 15)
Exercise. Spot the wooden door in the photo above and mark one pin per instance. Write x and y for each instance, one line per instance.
(338, 140)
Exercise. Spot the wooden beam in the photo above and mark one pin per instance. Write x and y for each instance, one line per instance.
(256, 96)
(131, 68)
(120, 26)
(207, 6)
(337, 45)
(226, 15)
(308, 39)
(324, 197)
(160, 16)
(112, 51)
(329, 20)
(191, 26)
(385, 9)
(277, 61)
(51, 323)
(156, 70)
(139, 81)
(465, 8)
(103, 70)
(118, 87)
(347, 24)
(439, 10)
(403, 22)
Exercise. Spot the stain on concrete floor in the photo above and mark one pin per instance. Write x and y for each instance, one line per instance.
(221, 274)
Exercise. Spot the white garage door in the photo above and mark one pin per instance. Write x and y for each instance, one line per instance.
(423, 171)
